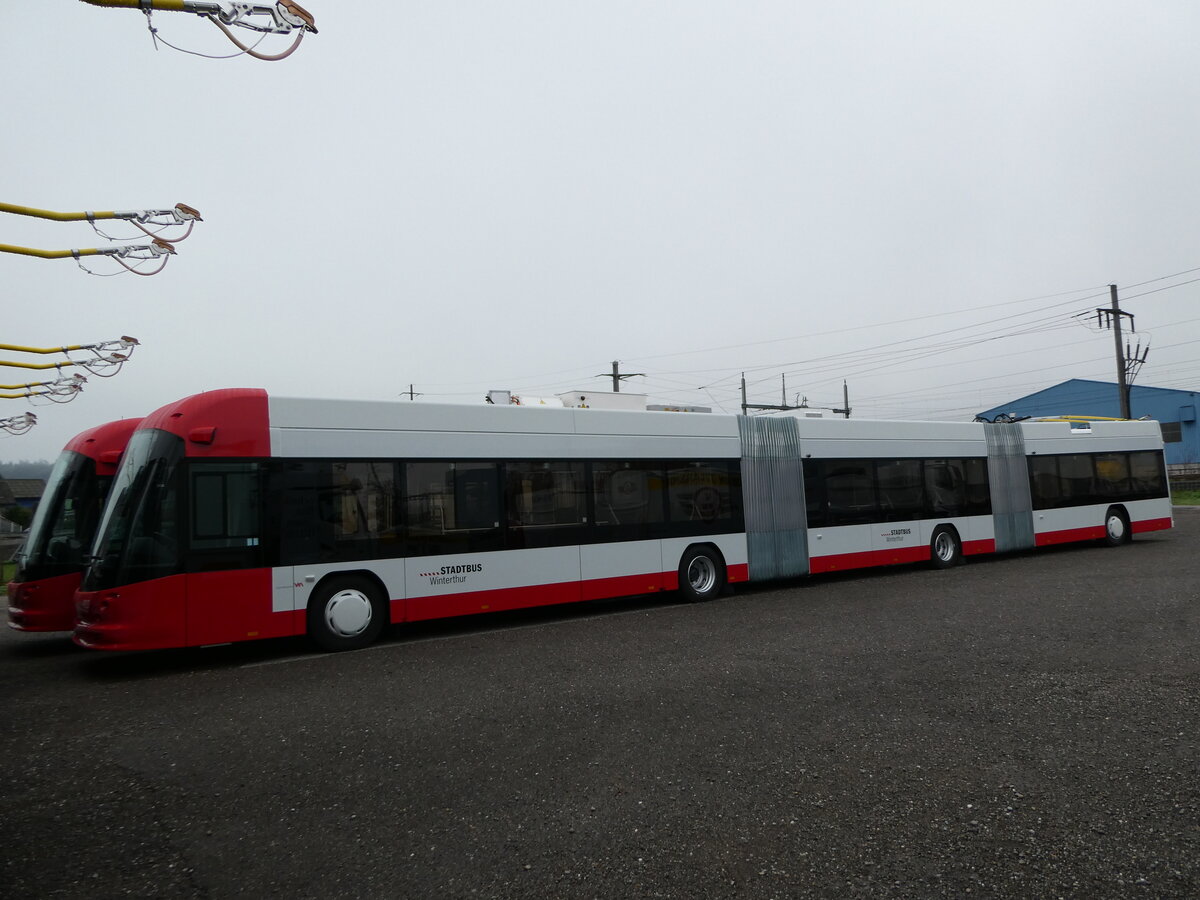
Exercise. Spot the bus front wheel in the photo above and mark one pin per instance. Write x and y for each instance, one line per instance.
(701, 574)
(346, 613)
(945, 549)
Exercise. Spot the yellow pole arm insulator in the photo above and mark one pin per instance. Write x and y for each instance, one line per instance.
(21, 365)
(176, 215)
(124, 342)
(285, 15)
(165, 5)
(19, 349)
(55, 216)
(47, 254)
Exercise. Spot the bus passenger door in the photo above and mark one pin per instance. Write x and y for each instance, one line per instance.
(896, 536)
(229, 591)
(625, 556)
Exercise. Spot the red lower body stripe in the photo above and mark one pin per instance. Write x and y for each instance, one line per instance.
(1096, 532)
(1068, 536)
(892, 556)
(1152, 525)
(840, 562)
(416, 609)
(975, 548)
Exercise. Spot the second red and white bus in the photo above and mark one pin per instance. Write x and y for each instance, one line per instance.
(41, 596)
(237, 515)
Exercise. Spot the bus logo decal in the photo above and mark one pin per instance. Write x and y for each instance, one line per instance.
(452, 574)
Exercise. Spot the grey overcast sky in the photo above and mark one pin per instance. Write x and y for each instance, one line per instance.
(917, 197)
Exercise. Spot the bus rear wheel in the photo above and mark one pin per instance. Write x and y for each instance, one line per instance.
(945, 549)
(346, 613)
(1116, 527)
(701, 574)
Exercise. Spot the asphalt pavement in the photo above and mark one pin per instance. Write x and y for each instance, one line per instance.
(1023, 726)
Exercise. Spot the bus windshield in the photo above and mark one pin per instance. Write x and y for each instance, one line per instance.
(65, 521)
(138, 535)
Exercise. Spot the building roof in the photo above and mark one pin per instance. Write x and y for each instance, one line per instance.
(6, 495)
(26, 488)
(1083, 396)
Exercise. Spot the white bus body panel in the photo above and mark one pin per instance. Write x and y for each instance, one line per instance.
(326, 428)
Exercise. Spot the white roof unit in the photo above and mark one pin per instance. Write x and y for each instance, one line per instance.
(602, 400)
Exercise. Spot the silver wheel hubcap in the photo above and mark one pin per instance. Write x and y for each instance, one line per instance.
(348, 613)
(702, 574)
(1116, 527)
(944, 547)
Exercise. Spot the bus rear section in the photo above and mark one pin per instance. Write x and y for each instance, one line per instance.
(826, 495)
(1096, 480)
(41, 596)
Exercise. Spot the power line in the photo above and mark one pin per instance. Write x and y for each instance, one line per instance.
(1169, 287)
(889, 324)
(1165, 277)
(863, 361)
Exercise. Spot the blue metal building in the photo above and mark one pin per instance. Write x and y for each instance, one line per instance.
(1175, 410)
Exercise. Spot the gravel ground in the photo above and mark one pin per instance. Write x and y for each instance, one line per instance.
(1014, 727)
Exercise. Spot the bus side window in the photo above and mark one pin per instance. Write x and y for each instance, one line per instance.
(225, 505)
(1078, 478)
(1112, 475)
(544, 503)
(476, 503)
(1147, 474)
(628, 494)
(360, 507)
(900, 489)
(976, 486)
(452, 507)
(1044, 485)
(850, 491)
(945, 488)
(699, 492)
(303, 494)
(814, 492)
(225, 511)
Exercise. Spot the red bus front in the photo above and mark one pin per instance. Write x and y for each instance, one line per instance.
(51, 561)
(154, 583)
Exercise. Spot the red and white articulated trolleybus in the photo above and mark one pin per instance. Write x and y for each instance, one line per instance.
(41, 596)
(236, 515)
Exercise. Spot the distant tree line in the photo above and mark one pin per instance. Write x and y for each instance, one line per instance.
(27, 468)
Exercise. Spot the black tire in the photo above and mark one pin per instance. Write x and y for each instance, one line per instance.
(1116, 527)
(347, 612)
(945, 549)
(701, 574)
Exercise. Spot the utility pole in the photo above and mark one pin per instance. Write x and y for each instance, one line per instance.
(1113, 316)
(617, 376)
(412, 395)
(845, 410)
